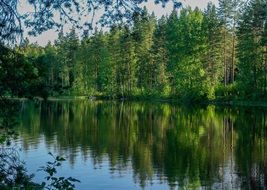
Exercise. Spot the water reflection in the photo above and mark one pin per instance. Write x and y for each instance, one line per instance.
(207, 147)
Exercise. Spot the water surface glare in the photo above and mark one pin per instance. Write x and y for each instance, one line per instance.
(130, 145)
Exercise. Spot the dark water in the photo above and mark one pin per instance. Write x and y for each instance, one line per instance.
(115, 145)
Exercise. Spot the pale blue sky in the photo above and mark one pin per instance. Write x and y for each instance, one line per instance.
(51, 35)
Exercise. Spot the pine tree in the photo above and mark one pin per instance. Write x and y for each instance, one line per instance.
(96, 59)
(229, 15)
(160, 83)
(264, 63)
(172, 38)
(49, 60)
(67, 47)
(127, 64)
(252, 50)
(213, 45)
(144, 26)
(113, 89)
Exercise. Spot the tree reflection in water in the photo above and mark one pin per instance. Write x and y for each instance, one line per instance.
(188, 147)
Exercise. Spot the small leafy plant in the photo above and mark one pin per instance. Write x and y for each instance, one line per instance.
(52, 181)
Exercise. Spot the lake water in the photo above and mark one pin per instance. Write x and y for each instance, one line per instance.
(129, 145)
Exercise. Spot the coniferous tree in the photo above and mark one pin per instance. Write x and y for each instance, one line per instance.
(114, 50)
(127, 64)
(160, 76)
(144, 26)
(188, 55)
(172, 38)
(213, 45)
(252, 50)
(229, 13)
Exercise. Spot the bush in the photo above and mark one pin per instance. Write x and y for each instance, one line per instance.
(228, 92)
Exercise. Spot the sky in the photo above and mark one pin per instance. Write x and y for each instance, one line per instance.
(51, 35)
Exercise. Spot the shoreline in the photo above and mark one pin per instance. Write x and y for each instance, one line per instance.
(232, 103)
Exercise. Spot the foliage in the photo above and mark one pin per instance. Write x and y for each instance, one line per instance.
(13, 174)
(191, 56)
(17, 74)
(41, 18)
(252, 46)
(53, 182)
(228, 92)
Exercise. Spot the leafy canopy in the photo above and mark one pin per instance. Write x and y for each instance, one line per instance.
(41, 14)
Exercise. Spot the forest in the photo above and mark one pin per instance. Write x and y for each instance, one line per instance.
(191, 55)
(216, 55)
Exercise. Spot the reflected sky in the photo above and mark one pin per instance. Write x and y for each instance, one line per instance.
(123, 145)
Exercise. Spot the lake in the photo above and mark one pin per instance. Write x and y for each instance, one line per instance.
(141, 145)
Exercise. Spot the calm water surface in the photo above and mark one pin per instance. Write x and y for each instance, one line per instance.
(122, 145)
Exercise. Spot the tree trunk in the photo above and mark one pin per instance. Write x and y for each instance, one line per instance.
(225, 65)
(233, 56)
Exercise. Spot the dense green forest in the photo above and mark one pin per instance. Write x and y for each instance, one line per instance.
(215, 55)
(191, 55)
